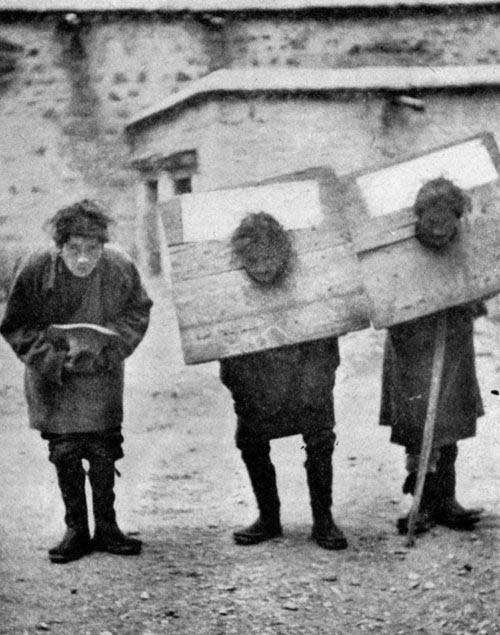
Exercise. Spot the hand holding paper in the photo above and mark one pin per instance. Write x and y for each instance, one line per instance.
(88, 346)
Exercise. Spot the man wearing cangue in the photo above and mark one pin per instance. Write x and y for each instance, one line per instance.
(75, 392)
(407, 370)
(281, 392)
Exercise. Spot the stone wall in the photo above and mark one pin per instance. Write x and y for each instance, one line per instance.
(360, 38)
(63, 113)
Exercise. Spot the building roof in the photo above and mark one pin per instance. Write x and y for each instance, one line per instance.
(320, 80)
(220, 5)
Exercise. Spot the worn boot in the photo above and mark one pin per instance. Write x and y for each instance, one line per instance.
(108, 536)
(263, 480)
(448, 511)
(319, 479)
(424, 521)
(76, 542)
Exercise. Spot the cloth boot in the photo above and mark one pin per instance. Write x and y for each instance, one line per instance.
(263, 479)
(76, 542)
(319, 479)
(108, 536)
(448, 510)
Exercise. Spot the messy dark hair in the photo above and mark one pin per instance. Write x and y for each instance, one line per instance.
(85, 218)
(260, 241)
(443, 192)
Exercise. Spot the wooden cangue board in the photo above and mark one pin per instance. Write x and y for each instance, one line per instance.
(403, 279)
(221, 312)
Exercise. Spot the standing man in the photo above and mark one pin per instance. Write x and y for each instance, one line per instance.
(282, 392)
(75, 395)
(407, 370)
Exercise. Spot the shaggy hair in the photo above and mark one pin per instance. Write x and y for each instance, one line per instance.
(85, 218)
(262, 246)
(441, 192)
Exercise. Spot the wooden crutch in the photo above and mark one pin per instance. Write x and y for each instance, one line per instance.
(430, 420)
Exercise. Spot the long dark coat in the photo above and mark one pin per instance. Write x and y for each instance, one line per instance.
(283, 391)
(59, 401)
(407, 370)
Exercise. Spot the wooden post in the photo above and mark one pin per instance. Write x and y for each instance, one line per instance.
(146, 224)
(165, 192)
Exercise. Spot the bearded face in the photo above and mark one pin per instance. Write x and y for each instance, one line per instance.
(439, 206)
(437, 226)
(263, 265)
(263, 248)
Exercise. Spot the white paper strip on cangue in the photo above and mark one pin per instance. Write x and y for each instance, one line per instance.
(215, 215)
(394, 188)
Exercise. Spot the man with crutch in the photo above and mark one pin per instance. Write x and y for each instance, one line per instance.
(434, 355)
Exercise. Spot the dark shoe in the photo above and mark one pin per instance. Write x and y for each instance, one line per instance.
(451, 514)
(76, 542)
(263, 479)
(73, 546)
(260, 531)
(448, 511)
(319, 479)
(109, 538)
(424, 522)
(328, 536)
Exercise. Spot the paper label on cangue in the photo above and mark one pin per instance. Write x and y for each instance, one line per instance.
(394, 188)
(215, 215)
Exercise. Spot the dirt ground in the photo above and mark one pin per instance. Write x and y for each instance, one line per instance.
(184, 489)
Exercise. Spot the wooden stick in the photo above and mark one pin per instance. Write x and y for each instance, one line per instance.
(430, 420)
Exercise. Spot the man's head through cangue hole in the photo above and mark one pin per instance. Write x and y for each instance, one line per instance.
(263, 248)
(439, 205)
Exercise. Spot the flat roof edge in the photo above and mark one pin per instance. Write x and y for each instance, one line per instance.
(366, 78)
(219, 6)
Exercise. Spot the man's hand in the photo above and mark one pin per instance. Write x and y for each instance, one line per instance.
(112, 359)
(81, 362)
(49, 362)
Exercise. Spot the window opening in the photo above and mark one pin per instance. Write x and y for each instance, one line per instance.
(182, 185)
